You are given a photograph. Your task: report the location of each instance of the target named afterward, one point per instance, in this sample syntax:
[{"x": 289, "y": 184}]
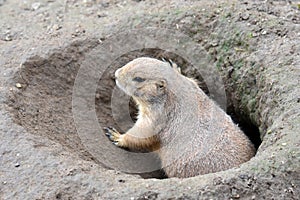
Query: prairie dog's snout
[
  {"x": 118, "y": 81},
  {"x": 117, "y": 73}
]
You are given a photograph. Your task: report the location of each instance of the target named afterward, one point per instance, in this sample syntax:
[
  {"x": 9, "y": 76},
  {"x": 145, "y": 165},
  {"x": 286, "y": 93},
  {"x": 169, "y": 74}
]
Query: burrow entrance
[{"x": 42, "y": 99}]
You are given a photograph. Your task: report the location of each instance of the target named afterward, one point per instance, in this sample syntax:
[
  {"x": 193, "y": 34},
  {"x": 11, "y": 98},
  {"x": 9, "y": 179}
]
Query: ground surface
[{"x": 44, "y": 44}]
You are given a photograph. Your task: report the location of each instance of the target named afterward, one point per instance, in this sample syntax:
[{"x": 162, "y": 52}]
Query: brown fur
[{"x": 192, "y": 134}]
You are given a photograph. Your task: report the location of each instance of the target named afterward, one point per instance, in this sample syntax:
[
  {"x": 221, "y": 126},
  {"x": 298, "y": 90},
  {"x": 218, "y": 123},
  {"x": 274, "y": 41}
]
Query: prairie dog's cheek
[{"x": 148, "y": 89}]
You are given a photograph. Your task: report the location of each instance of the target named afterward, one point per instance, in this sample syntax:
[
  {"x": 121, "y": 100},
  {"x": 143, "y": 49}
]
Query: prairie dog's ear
[
  {"x": 173, "y": 65},
  {"x": 161, "y": 84}
]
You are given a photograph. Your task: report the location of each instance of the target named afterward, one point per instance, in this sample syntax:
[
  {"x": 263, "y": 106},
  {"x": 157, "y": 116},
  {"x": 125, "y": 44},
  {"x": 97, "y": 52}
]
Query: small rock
[
  {"x": 8, "y": 38},
  {"x": 214, "y": 43},
  {"x": 18, "y": 85},
  {"x": 217, "y": 181},
  {"x": 255, "y": 34},
  {"x": 17, "y": 164},
  {"x": 56, "y": 27},
  {"x": 99, "y": 15},
  {"x": 244, "y": 176},
  {"x": 121, "y": 181},
  {"x": 283, "y": 144},
  {"x": 244, "y": 16},
  {"x": 264, "y": 32},
  {"x": 35, "y": 5},
  {"x": 71, "y": 172},
  {"x": 98, "y": 97}
]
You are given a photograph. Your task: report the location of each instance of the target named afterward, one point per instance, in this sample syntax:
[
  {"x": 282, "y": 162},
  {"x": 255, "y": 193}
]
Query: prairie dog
[{"x": 190, "y": 133}]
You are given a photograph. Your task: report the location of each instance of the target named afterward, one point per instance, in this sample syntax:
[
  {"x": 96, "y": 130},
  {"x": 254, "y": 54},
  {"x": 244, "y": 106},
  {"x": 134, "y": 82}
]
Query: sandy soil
[{"x": 51, "y": 49}]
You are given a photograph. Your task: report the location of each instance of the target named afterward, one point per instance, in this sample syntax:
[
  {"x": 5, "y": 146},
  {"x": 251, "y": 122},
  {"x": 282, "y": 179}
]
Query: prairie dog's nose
[{"x": 117, "y": 72}]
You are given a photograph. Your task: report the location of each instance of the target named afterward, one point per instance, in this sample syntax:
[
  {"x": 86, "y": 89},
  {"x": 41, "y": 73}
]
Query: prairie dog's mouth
[
  {"x": 119, "y": 85},
  {"x": 122, "y": 87}
]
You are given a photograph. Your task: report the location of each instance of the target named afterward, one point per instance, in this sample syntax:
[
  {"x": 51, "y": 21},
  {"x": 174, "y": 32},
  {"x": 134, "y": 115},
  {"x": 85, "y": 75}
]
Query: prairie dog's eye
[{"x": 138, "y": 79}]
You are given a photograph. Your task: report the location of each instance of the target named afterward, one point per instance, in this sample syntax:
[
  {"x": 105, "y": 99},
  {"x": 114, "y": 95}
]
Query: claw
[
  {"x": 107, "y": 131},
  {"x": 113, "y": 129},
  {"x": 112, "y": 134},
  {"x": 116, "y": 143}
]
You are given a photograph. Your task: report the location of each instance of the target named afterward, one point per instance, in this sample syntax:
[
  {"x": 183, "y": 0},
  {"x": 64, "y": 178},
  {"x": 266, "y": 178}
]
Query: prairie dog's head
[{"x": 145, "y": 79}]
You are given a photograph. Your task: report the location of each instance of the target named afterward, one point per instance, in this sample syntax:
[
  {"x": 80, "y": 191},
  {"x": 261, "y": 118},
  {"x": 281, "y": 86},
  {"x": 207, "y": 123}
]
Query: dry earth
[{"x": 254, "y": 45}]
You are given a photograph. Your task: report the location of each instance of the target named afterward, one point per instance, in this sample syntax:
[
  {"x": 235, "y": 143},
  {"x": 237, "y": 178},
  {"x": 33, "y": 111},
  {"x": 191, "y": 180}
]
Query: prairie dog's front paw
[{"x": 113, "y": 136}]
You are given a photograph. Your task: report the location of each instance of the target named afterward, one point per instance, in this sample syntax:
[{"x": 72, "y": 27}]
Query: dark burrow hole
[{"x": 43, "y": 103}]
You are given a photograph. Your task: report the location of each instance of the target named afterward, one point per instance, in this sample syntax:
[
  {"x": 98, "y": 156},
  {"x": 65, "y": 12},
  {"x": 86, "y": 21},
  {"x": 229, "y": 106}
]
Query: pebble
[
  {"x": 17, "y": 164},
  {"x": 245, "y": 16},
  {"x": 56, "y": 27},
  {"x": 215, "y": 43},
  {"x": 264, "y": 32},
  {"x": 71, "y": 172},
  {"x": 99, "y": 15},
  {"x": 35, "y": 5},
  {"x": 18, "y": 85},
  {"x": 255, "y": 34},
  {"x": 8, "y": 38}
]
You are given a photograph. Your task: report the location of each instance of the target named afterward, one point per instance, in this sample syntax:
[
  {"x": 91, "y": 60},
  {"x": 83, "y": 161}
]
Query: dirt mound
[{"x": 253, "y": 45}]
